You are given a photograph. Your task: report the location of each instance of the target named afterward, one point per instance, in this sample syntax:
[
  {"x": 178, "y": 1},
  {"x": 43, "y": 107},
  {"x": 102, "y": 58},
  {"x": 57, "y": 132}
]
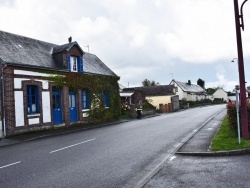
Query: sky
[{"x": 157, "y": 40}]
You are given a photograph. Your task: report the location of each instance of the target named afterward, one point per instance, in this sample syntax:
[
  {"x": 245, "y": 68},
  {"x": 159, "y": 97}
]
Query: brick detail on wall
[{"x": 9, "y": 100}]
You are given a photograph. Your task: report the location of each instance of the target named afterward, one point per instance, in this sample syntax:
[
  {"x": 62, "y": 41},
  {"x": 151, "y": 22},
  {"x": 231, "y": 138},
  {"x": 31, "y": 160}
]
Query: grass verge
[{"x": 226, "y": 139}]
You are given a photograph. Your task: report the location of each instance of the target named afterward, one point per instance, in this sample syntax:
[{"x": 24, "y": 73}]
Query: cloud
[
  {"x": 133, "y": 37},
  {"x": 222, "y": 82}
]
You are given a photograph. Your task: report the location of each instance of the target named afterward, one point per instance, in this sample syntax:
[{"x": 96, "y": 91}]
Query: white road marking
[
  {"x": 72, "y": 145},
  {"x": 172, "y": 158},
  {"x": 10, "y": 164}
]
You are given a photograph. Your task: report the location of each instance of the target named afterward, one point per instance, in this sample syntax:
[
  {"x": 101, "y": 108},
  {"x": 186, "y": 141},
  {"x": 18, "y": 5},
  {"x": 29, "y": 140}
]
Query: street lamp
[
  {"x": 237, "y": 62},
  {"x": 239, "y": 25}
]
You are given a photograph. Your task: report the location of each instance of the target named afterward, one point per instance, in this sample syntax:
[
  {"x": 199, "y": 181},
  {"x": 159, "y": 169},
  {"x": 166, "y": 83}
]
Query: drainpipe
[{"x": 3, "y": 65}]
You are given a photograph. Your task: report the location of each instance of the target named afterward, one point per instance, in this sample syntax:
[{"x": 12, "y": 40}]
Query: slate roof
[
  {"x": 23, "y": 51},
  {"x": 65, "y": 47},
  {"x": 190, "y": 88},
  {"x": 159, "y": 90},
  {"x": 92, "y": 64}
]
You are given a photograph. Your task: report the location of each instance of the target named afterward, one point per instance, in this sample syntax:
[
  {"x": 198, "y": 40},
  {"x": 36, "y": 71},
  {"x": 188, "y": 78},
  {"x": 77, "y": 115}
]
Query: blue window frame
[
  {"x": 85, "y": 99},
  {"x": 33, "y": 99},
  {"x": 105, "y": 99},
  {"x": 75, "y": 64}
]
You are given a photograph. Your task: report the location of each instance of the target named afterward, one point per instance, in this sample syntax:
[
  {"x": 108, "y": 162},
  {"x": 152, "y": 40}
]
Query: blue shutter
[
  {"x": 107, "y": 100},
  {"x": 80, "y": 64},
  {"x": 105, "y": 97},
  {"x": 87, "y": 100},
  {"x": 68, "y": 62},
  {"x": 37, "y": 100}
]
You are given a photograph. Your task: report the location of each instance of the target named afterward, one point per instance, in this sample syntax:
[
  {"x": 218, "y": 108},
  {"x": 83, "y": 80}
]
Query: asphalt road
[{"x": 104, "y": 157}]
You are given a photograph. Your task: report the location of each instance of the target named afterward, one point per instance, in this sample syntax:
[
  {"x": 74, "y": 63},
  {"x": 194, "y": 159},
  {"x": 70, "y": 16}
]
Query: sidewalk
[{"x": 199, "y": 143}]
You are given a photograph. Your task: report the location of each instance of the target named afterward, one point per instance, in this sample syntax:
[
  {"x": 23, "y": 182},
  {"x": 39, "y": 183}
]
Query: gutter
[{"x": 3, "y": 65}]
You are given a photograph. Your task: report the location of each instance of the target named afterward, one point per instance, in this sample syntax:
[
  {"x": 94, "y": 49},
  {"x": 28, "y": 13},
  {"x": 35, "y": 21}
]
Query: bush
[
  {"x": 183, "y": 103},
  {"x": 232, "y": 116}
]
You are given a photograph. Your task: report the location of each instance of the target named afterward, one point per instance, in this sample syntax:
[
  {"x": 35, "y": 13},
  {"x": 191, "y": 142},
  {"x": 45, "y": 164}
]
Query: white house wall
[
  {"x": 19, "y": 108},
  {"x": 180, "y": 93},
  {"x": 30, "y": 73},
  {"x": 33, "y": 121},
  {"x": 46, "y": 107},
  {"x": 220, "y": 93},
  {"x": 18, "y": 83}
]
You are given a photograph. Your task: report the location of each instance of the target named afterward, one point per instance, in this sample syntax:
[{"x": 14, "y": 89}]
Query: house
[
  {"x": 220, "y": 94},
  {"x": 156, "y": 95},
  {"x": 46, "y": 85},
  {"x": 232, "y": 95},
  {"x": 189, "y": 91}
]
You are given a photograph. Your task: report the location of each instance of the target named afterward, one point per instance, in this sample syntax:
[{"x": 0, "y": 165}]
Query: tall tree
[
  {"x": 201, "y": 83},
  {"x": 147, "y": 82}
]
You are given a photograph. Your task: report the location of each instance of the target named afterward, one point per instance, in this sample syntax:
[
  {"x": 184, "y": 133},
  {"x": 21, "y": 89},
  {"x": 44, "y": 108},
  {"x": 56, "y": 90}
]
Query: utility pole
[{"x": 238, "y": 25}]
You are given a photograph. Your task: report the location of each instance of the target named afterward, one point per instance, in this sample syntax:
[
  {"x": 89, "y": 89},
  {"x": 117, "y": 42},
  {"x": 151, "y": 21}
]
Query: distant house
[
  {"x": 160, "y": 94},
  {"x": 189, "y": 91},
  {"x": 232, "y": 96},
  {"x": 220, "y": 94},
  {"x": 31, "y": 97}
]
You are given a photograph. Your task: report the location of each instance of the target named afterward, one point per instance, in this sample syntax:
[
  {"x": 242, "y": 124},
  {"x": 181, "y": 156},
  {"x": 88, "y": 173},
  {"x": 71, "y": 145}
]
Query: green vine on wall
[{"x": 95, "y": 84}]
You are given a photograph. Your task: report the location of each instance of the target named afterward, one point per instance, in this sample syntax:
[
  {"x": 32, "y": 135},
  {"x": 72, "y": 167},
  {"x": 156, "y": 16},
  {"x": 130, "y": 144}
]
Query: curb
[{"x": 216, "y": 153}]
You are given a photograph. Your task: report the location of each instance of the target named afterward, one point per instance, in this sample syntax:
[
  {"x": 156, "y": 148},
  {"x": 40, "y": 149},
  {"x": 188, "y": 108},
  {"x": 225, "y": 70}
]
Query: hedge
[{"x": 232, "y": 116}]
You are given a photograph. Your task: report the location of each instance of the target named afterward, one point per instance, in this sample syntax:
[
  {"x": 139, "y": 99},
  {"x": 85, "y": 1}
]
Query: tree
[
  {"x": 147, "y": 82},
  {"x": 210, "y": 90},
  {"x": 201, "y": 83}
]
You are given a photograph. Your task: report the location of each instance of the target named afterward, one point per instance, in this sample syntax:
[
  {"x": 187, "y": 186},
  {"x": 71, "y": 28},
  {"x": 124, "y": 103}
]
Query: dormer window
[{"x": 75, "y": 64}]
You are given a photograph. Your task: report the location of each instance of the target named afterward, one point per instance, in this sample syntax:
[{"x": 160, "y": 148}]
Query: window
[
  {"x": 85, "y": 100},
  {"x": 33, "y": 99},
  {"x": 75, "y": 64},
  {"x": 105, "y": 99}
]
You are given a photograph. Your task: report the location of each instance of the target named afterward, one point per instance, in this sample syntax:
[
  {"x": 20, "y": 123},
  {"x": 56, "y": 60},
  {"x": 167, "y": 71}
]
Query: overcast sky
[{"x": 139, "y": 39}]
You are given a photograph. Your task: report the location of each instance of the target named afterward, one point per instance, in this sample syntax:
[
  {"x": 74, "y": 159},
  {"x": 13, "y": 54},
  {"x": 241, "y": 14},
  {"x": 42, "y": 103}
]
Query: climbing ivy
[{"x": 96, "y": 85}]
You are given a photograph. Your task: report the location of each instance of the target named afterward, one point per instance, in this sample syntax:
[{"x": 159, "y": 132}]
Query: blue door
[
  {"x": 57, "y": 107},
  {"x": 72, "y": 107}
]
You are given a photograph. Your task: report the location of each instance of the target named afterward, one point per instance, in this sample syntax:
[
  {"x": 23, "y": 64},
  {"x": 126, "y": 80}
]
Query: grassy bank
[{"x": 226, "y": 139}]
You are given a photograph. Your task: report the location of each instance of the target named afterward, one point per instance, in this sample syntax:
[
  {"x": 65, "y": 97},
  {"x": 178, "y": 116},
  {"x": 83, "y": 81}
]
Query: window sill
[
  {"x": 34, "y": 115},
  {"x": 85, "y": 110}
]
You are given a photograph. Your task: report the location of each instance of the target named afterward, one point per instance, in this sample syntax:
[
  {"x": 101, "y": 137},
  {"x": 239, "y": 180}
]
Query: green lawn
[{"x": 226, "y": 139}]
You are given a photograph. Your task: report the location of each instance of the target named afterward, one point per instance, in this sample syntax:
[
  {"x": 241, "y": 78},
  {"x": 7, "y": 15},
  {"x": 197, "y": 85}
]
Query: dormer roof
[{"x": 66, "y": 47}]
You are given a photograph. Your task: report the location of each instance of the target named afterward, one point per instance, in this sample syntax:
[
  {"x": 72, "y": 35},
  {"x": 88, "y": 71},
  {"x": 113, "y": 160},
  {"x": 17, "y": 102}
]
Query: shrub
[{"x": 232, "y": 116}]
